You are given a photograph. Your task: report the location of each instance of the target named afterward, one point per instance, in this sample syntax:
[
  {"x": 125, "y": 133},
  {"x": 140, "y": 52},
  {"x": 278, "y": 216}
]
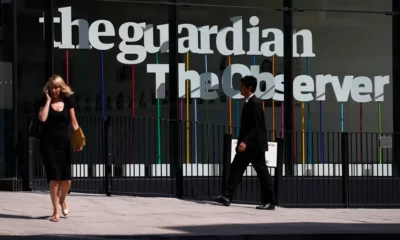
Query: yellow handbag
[{"x": 78, "y": 139}]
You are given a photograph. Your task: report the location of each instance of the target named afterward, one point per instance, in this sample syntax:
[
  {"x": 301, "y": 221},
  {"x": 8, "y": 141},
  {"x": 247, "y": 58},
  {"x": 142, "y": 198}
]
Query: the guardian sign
[{"x": 198, "y": 41}]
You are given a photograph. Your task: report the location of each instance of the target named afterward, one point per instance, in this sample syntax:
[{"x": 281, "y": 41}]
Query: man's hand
[{"x": 242, "y": 147}]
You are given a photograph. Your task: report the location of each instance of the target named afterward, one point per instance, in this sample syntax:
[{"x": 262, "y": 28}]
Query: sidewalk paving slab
[{"x": 119, "y": 217}]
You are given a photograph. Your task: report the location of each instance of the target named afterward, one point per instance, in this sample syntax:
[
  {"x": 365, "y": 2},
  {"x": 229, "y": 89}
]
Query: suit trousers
[{"x": 257, "y": 158}]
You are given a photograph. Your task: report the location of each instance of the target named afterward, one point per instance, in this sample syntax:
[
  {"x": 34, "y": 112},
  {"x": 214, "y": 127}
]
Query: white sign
[
  {"x": 198, "y": 41},
  {"x": 271, "y": 156}
]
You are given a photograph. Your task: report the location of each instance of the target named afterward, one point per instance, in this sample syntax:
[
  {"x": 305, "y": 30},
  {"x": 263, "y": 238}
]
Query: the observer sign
[{"x": 305, "y": 88}]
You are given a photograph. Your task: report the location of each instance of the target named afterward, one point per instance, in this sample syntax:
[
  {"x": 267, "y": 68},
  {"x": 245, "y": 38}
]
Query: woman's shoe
[
  {"x": 55, "y": 218},
  {"x": 64, "y": 209}
]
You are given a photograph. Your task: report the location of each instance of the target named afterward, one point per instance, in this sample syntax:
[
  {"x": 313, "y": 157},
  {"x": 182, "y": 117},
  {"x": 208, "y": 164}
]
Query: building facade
[{"x": 117, "y": 57}]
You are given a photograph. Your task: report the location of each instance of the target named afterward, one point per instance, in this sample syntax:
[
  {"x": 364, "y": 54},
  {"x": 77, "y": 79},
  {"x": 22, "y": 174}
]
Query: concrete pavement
[{"x": 98, "y": 216}]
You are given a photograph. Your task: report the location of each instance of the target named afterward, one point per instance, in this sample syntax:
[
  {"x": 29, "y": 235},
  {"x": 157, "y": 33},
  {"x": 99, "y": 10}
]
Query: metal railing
[{"x": 132, "y": 156}]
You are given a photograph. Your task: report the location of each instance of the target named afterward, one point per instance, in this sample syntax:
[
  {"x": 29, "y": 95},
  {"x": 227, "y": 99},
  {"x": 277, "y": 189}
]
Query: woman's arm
[
  {"x": 44, "y": 111},
  {"x": 72, "y": 116}
]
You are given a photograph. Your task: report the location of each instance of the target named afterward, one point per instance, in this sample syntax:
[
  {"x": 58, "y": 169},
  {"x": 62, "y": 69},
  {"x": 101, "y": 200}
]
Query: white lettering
[
  {"x": 379, "y": 83},
  {"x": 66, "y": 27},
  {"x": 198, "y": 40},
  {"x": 307, "y": 46},
  {"x": 149, "y": 38},
  {"x": 95, "y": 33},
  {"x": 237, "y": 31},
  {"x": 277, "y": 42},
  {"x": 361, "y": 89},
  {"x": 266, "y": 77},
  {"x": 227, "y": 77},
  {"x": 321, "y": 86},
  {"x": 160, "y": 70},
  {"x": 191, "y": 39},
  {"x": 208, "y": 84},
  {"x": 194, "y": 79},
  {"x": 125, "y": 49},
  {"x": 303, "y": 86},
  {"x": 205, "y": 34}
]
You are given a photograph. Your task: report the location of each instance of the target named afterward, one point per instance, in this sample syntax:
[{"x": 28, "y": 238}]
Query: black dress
[{"x": 55, "y": 143}]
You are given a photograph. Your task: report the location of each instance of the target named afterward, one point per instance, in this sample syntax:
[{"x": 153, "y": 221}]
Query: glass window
[
  {"x": 239, "y": 37},
  {"x": 351, "y": 47},
  {"x": 118, "y": 60},
  {"x": 347, "y": 5},
  {"x": 6, "y": 107},
  {"x": 355, "y": 49},
  {"x": 226, "y": 4}
]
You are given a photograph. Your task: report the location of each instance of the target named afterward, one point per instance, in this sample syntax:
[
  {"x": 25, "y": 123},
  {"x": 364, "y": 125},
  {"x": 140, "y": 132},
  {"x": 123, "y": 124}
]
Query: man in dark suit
[{"x": 252, "y": 144}]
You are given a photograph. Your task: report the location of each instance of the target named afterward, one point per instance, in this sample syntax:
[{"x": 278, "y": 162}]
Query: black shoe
[
  {"x": 222, "y": 199},
  {"x": 266, "y": 207}
]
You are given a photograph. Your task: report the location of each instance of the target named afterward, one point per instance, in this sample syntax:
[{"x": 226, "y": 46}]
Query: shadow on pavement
[
  {"x": 272, "y": 231},
  {"x": 10, "y": 216}
]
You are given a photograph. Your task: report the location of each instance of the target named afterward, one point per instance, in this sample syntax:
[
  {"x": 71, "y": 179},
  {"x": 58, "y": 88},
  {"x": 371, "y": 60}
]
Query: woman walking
[{"x": 56, "y": 113}]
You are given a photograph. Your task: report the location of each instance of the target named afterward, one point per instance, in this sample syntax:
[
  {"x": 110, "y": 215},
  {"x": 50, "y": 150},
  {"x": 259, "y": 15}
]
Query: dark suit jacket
[{"x": 253, "y": 131}]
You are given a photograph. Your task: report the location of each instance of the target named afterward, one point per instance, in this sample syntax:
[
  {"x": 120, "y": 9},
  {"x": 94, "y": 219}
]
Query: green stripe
[
  {"x": 380, "y": 131},
  {"x": 158, "y": 125}
]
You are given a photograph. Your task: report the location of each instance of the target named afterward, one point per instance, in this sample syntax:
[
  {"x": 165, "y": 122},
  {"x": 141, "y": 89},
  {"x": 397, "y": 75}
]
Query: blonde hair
[{"x": 59, "y": 82}]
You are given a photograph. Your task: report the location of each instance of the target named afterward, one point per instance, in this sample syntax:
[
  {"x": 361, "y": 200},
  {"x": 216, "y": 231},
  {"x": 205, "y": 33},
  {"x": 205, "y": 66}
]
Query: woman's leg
[
  {"x": 64, "y": 185},
  {"x": 54, "y": 199}
]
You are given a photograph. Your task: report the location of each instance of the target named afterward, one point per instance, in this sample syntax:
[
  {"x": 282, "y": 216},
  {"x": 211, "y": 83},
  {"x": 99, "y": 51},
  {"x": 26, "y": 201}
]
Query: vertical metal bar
[
  {"x": 14, "y": 86},
  {"x": 288, "y": 85},
  {"x": 345, "y": 169},
  {"x": 49, "y": 38},
  {"x": 396, "y": 85},
  {"x": 173, "y": 95},
  {"x": 278, "y": 170}
]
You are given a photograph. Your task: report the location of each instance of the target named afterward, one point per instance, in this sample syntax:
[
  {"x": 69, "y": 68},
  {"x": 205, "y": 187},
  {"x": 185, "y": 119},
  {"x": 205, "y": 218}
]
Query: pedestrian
[
  {"x": 56, "y": 114},
  {"x": 252, "y": 144}
]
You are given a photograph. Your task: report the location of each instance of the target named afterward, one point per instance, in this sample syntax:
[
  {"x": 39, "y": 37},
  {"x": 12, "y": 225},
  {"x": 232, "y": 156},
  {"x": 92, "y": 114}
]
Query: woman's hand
[
  {"x": 78, "y": 150},
  {"x": 48, "y": 98}
]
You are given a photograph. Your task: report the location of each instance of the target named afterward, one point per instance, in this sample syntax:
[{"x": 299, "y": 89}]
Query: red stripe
[
  {"x": 133, "y": 112},
  {"x": 133, "y": 90},
  {"x": 67, "y": 66}
]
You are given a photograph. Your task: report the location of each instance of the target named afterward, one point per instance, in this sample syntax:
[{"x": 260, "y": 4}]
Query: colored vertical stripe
[
  {"x": 321, "y": 137},
  {"x": 195, "y": 130},
  {"x": 158, "y": 124},
  {"x": 341, "y": 117},
  {"x": 207, "y": 113},
  {"x": 67, "y": 66},
  {"x": 380, "y": 130},
  {"x": 187, "y": 113},
  {"x": 302, "y": 134},
  {"x": 361, "y": 130},
  {"x": 103, "y": 113},
  {"x": 273, "y": 102},
  {"x": 85, "y": 102},
  {"x": 309, "y": 119},
  {"x": 180, "y": 109},
  {"x": 180, "y": 100},
  {"x": 303, "y": 142},
  {"x": 230, "y": 104},
  {"x": 294, "y": 134},
  {"x": 282, "y": 122},
  {"x": 133, "y": 111},
  {"x": 133, "y": 89}
]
